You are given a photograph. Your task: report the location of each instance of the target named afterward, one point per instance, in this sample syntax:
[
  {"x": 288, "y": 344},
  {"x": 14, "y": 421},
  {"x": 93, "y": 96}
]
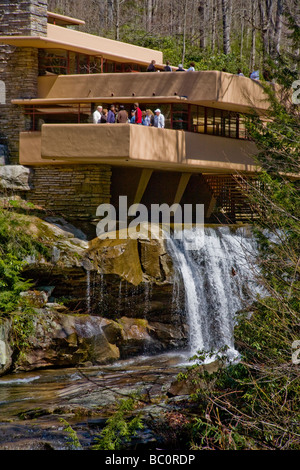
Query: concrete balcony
[{"x": 137, "y": 146}]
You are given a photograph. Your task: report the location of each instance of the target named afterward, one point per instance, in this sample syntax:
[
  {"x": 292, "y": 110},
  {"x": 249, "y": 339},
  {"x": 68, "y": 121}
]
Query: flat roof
[
  {"x": 62, "y": 20},
  {"x": 89, "y": 44}
]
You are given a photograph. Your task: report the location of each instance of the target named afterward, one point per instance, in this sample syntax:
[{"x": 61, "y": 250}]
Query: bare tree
[{"x": 227, "y": 15}]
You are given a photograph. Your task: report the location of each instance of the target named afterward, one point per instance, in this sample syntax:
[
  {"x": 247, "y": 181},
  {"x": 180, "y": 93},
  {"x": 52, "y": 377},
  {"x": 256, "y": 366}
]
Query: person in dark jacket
[
  {"x": 151, "y": 67},
  {"x": 111, "y": 115},
  {"x": 122, "y": 115},
  {"x": 167, "y": 67}
]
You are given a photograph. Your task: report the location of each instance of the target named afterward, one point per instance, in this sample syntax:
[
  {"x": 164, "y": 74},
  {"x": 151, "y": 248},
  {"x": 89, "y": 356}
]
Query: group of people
[
  {"x": 254, "y": 75},
  {"x": 120, "y": 115},
  {"x": 168, "y": 68}
]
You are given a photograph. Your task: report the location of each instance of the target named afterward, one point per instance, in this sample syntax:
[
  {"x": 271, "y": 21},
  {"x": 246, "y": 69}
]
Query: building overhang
[
  {"x": 208, "y": 88},
  {"x": 62, "y": 20},
  {"x": 137, "y": 146},
  {"x": 99, "y": 99},
  {"x": 89, "y": 44}
]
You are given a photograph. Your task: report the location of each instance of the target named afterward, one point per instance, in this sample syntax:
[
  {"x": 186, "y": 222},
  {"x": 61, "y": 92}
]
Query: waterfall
[{"x": 218, "y": 278}]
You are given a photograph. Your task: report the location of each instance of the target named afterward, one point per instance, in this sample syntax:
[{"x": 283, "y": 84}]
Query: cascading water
[{"x": 218, "y": 279}]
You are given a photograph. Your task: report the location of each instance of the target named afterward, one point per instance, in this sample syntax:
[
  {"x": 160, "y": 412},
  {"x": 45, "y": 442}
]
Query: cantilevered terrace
[
  {"x": 205, "y": 128},
  {"x": 205, "y": 111}
]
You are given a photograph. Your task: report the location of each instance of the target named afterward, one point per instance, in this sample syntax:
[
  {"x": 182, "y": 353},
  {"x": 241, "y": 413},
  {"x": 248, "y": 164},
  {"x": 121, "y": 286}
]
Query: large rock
[
  {"x": 15, "y": 178},
  {"x": 136, "y": 337},
  {"x": 6, "y": 351},
  {"x": 194, "y": 380},
  {"x": 134, "y": 257},
  {"x": 120, "y": 257},
  {"x": 66, "y": 341}
]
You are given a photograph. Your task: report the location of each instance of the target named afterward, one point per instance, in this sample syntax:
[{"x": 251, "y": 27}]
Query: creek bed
[{"x": 32, "y": 404}]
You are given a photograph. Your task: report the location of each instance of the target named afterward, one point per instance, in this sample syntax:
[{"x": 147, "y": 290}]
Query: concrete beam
[
  {"x": 143, "y": 183},
  {"x": 210, "y": 206},
  {"x": 183, "y": 182}
]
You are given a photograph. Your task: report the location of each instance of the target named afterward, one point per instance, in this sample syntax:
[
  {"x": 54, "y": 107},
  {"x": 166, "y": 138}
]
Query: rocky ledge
[{"x": 92, "y": 302}]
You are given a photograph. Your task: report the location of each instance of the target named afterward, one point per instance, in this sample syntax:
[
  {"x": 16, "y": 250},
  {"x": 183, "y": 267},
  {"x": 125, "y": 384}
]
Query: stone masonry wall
[
  {"x": 19, "y": 72},
  {"x": 18, "y": 66},
  {"x": 73, "y": 191},
  {"x": 23, "y": 17}
]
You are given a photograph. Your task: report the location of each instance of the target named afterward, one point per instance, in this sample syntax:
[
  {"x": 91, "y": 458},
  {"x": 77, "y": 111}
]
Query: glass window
[
  {"x": 53, "y": 61},
  {"x": 180, "y": 116}
]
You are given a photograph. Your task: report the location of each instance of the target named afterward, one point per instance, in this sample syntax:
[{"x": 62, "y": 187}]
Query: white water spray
[{"x": 219, "y": 280}]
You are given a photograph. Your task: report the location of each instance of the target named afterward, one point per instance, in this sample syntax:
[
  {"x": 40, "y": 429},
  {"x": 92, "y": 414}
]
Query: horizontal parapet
[
  {"x": 208, "y": 88},
  {"x": 133, "y": 145}
]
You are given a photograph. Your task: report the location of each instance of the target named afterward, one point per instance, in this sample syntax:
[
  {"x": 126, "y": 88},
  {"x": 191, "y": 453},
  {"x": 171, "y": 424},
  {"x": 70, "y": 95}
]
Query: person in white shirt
[
  {"x": 97, "y": 115},
  {"x": 159, "y": 119},
  {"x": 192, "y": 67}
]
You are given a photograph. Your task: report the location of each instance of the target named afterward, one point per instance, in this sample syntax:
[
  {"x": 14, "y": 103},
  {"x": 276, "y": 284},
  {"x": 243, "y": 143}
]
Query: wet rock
[
  {"x": 194, "y": 380},
  {"x": 119, "y": 257},
  {"x": 113, "y": 331},
  {"x": 135, "y": 337},
  {"x": 65, "y": 341},
  {"x": 169, "y": 335}
]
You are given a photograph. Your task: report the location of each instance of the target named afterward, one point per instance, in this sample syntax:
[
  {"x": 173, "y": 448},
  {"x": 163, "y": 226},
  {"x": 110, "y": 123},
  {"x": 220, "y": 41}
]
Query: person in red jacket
[{"x": 138, "y": 114}]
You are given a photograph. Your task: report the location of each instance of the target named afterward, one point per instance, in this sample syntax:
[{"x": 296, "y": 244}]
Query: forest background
[{"x": 215, "y": 34}]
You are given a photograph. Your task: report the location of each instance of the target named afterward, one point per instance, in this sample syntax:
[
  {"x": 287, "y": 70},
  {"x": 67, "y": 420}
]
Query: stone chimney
[
  {"x": 23, "y": 17},
  {"x": 18, "y": 66}
]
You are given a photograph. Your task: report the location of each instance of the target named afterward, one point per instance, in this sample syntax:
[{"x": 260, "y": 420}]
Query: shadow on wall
[{"x": 3, "y": 154}]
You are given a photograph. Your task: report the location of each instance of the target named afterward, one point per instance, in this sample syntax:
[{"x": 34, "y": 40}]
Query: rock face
[
  {"x": 5, "y": 348},
  {"x": 96, "y": 301},
  {"x": 66, "y": 340},
  {"x": 15, "y": 178}
]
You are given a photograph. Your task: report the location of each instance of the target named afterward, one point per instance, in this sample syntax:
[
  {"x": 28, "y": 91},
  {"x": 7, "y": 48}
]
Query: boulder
[
  {"x": 169, "y": 335},
  {"x": 36, "y": 298},
  {"x": 120, "y": 257},
  {"x": 194, "y": 381},
  {"x": 15, "y": 178},
  {"x": 136, "y": 338},
  {"x": 66, "y": 341},
  {"x": 6, "y": 351}
]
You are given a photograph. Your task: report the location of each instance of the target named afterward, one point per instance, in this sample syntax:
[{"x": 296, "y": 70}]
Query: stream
[
  {"x": 219, "y": 280},
  {"x": 33, "y": 403}
]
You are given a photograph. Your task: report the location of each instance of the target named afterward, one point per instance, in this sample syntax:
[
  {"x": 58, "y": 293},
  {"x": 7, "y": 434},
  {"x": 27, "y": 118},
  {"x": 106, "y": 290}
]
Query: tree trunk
[
  {"x": 278, "y": 28},
  {"x": 110, "y": 12},
  {"x": 253, "y": 35},
  {"x": 117, "y": 20},
  {"x": 227, "y": 14},
  {"x": 184, "y": 31},
  {"x": 265, "y": 10},
  {"x": 149, "y": 12},
  {"x": 201, "y": 10},
  {"x": 213, "y": 27}
]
